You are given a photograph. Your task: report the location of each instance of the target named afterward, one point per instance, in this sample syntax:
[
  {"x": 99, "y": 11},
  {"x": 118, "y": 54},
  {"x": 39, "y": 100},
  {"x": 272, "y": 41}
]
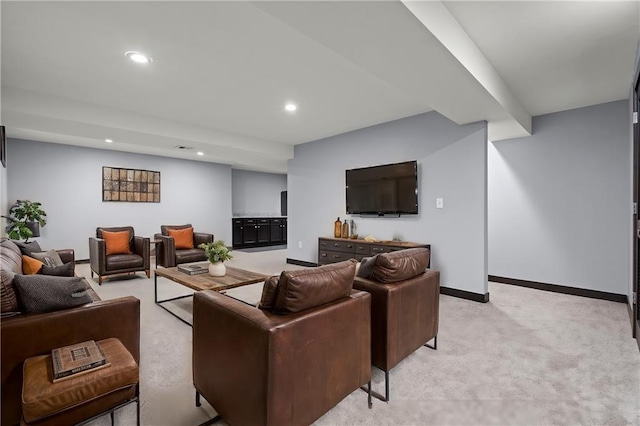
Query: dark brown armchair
[
  {"x": 104, "y": 265},
  {"x": 405, "y": 300},
  {"x": 290, "y": 361},
  {"x": 168, "y": 256}
]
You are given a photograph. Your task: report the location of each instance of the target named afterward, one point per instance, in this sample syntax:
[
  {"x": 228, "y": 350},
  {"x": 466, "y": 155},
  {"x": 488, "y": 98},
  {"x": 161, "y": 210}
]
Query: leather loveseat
[
  {"x": 27, "y": 335},
  {"x": 291, "y": 361},
  {"x": 405, "y": 301}
]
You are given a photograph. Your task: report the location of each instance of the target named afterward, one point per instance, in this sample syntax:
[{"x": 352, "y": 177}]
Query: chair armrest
[
  {"x": 411, "y": 306},
  {"x": 67, "y": 255},
  {"x": 142, "y": 246},
  {"x": 165, "y": 251},
  {"x": 97, "y": 255},
  {"x": 29, "y": 335},
  {"x": 243, "y": 353},
  {"x": 201, "y": 237}
]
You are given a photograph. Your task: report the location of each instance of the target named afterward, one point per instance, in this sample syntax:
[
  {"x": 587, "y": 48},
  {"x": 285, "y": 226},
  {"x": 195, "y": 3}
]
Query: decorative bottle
[
  {"x": 337, "y": 228},
  {"x": 345, "y": 229},
  {"x": 354, "y": 230}
]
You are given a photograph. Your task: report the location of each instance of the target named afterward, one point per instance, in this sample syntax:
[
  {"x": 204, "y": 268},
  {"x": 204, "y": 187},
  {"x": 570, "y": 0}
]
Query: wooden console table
[{"x": 332, "y": 250}]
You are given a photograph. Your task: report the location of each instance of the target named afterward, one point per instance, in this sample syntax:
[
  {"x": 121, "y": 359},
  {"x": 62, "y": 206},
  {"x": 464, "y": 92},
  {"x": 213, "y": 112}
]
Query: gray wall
[
  {"x": 67, "y": 180},
  {"x": 559, "y": 205},
  {"x": 452, "y": 164},
  {"x": 256, "y": 193}
]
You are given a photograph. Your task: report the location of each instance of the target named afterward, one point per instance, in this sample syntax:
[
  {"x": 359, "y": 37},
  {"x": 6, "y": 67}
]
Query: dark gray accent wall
[
  {"x": 559, "y": 200},
  {"x": 256, "y": 193},
  {"x": 67, "y": 180},
  {"x": 451, "y": 164}
]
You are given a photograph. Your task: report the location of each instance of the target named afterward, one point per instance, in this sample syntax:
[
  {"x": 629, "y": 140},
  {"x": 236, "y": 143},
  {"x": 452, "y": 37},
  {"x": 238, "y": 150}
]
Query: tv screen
[{"x": 386, "y": 189}]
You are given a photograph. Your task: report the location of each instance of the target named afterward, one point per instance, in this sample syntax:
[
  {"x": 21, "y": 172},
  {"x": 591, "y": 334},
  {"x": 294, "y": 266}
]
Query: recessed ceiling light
[
  {"x": 108, "y": 140},
  {"x": 138, "y": 57},
  {"x": 200, "y": 153},
  {"x": 290, "y": 107}
]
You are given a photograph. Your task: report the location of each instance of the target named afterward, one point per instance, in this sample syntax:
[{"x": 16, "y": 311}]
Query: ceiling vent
[{"x": 184, "y": 148}]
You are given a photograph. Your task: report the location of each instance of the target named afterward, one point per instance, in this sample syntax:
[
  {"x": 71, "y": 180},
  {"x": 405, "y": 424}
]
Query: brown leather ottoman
[{"x": 82, "y": 398}]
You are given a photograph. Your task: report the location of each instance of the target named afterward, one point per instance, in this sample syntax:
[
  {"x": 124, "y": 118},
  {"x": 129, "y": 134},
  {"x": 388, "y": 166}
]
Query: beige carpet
[{"x": 526, "y": 358}]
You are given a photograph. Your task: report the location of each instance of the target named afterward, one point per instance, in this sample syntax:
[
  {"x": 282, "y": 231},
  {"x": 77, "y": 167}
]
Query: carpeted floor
[{"x": 528, "y": 357}]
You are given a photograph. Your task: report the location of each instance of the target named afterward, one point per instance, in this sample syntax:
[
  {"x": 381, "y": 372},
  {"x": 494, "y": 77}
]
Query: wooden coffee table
[{"x": 235, "y": 277}]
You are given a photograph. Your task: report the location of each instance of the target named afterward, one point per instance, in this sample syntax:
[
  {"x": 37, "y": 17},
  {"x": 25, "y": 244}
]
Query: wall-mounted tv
[{"x": 385, "y": 189}]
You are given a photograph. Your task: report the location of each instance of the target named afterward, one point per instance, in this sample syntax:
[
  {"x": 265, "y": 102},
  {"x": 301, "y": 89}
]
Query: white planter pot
[{"x": 217, "y": 269}]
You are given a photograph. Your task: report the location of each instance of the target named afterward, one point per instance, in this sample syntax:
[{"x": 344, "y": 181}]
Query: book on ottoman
[{"x": 70, "y": 361}]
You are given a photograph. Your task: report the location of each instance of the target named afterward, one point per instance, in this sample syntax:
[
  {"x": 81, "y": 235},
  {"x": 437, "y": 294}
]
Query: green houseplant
[
  {"x": 217, "y": 253},
  {"x": 25, "y": 219}
]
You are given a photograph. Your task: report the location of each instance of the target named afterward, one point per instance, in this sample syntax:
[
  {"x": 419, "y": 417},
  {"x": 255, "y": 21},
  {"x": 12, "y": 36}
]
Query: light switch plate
[{"x": 439, "y": 203}]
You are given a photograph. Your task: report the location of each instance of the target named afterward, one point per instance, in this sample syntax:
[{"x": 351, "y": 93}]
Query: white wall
[
  {"x": 256, "y": 193},
  {"x": 559, "y": 205},
  {"x": 451, "y": 164},
  {"x": 67, "y": 180}
]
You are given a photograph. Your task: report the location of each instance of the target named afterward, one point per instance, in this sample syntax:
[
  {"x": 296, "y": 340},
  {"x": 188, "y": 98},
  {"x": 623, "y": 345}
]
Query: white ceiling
[{"x": 223, "y": 71}]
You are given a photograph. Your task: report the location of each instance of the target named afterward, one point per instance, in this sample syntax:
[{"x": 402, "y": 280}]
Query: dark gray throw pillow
[
  {"x": 42, "y": 293},
  {"x": 66, "y": 270},
  {"x": 28, "y": 248},
  {"x": 366, "y": 267},
  {"x": 49, "y": 257}
]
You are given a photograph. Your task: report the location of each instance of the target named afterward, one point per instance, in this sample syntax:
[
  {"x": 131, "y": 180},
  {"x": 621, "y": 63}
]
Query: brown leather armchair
[
  {"x": 103, "y": 265},
  {"x": 289, "y": 362},
  {"x": 168, "y": 256},
  {"x": 405, "y": 300}
]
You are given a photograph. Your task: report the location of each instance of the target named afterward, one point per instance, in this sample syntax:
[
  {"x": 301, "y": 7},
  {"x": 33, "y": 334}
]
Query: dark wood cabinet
[
  {"x": 262, "y": 231},
  {"x": 332, "y": 250},
  {"x": 259, "y": 231}
]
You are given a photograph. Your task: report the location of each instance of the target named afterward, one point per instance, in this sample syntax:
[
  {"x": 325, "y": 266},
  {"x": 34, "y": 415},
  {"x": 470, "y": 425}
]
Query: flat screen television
[{"x": 385, "y": 189}]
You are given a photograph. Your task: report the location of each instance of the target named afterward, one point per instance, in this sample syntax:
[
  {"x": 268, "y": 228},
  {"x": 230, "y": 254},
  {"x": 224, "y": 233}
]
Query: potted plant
[
  {"x": 216, "y": 253},
  {"x": 25, "y": 219}
]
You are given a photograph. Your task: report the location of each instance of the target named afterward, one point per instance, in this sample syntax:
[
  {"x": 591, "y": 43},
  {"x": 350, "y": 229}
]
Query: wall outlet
[
  {"x": 299, "y": 244},
  {"x": 439, "y": 203}
]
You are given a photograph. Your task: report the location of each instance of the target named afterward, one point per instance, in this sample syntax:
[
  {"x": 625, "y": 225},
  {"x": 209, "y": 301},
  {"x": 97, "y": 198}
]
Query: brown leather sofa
[
  {"x": 26, "y": 335},
  {"x": 292, "y": 360},
  {"x": 168, "y": 256},
  {"x": 405, "y": 300},
  {"x": 114, "y": 264}
]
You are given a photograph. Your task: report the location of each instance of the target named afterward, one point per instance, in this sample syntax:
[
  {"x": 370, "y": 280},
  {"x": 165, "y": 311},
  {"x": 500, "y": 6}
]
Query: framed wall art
[{"x": 130, "y": 185}]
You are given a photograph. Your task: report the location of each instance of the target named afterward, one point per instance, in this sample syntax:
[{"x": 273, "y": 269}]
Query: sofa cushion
[
  {"x": 308, "y": 288},
  {"x": 269, "y": 293},
  {"x": 123, "y": 261},
  {"x": 28, "y": 248},
  {"x": 116, "y": 242},
  {"x": 400, "y": 265},
  {"x": 41, "y": 293},
  {"x": 182, "y": 238},
  {"x": 190, "y": 255},
  {"x": 30, "y": 265},
  {"x": 66, "y": 270},
  {"x": 10, "y": 265},
  {"x": 49, "y": 257},
  {"x": 366, "y": 266}
]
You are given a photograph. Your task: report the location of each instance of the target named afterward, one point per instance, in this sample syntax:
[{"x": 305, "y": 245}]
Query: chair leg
[
  {"x": 100, "y": 278},
  {"x": 370, "y": 404},
  {"x": 92, "y": 274},
  {"x": 138, "y": 404},
  {"x": 435, "y": 344},
  {"x": 386, "y": 386},
  {"x": 198, "y": 404},
  {"x": 148, "y": 271},
  {"x": 112, "y": 419}
]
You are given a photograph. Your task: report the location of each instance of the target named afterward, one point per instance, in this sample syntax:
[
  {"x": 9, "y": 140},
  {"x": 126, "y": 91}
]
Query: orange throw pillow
[
  {"x": 182, "y": 237},
  {"x": 30, "y": 266},
  {"x": 116, "y": 242}
]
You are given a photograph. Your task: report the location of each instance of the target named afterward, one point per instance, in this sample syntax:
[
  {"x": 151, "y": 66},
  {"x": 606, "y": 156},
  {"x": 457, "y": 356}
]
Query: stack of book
[
  {"x": 193, "y": 269},
  {"x": 73, "y": 360}
]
